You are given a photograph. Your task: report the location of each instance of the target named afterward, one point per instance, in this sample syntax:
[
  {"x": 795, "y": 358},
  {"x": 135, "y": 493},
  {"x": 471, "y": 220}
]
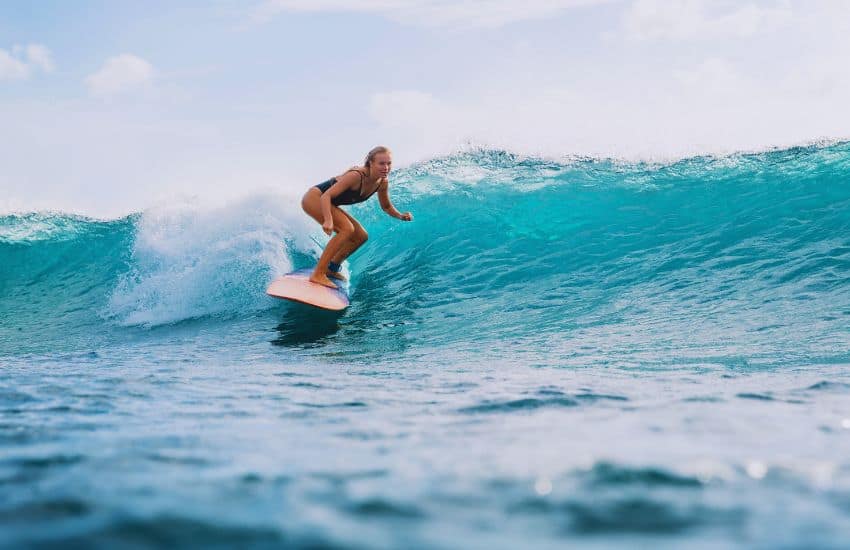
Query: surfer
[{"x": 322, "y": 202}]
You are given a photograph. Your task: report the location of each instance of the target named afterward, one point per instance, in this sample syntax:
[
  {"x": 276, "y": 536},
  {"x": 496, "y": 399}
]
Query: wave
[
  {"x": 502, "y": 246},
  {"x": 189, "y": 262},
  {"x": 54, "y": 269}
]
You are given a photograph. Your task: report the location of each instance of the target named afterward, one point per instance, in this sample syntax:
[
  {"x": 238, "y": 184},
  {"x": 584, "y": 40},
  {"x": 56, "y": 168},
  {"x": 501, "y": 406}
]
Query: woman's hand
[
  {"x": 328, "y": 227},
  {"x": 406, "y": 217}
]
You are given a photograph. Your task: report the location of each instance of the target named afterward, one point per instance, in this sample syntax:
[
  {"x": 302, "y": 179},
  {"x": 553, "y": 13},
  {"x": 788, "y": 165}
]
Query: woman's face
[{"x": 381, "y": 164}]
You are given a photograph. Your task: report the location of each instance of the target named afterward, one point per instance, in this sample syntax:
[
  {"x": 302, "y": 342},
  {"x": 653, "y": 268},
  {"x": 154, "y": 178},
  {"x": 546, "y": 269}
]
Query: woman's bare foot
[
  {"x": 322, "y": 280},
  {"x": 337, "y": 275}
]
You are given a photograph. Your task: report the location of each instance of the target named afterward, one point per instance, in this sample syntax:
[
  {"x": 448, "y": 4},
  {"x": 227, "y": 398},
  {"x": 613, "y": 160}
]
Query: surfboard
[{"x": 296, "y": 286}]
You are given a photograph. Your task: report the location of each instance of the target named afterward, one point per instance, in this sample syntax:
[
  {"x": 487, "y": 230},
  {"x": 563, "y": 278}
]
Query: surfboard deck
[{"x": 296, "y": 287}]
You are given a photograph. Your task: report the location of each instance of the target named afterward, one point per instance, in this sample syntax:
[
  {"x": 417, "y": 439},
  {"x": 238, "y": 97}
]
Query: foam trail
[{"x": 190, "y": 262}]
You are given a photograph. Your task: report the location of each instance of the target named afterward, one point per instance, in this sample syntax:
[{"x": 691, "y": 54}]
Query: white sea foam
[{"x": 191, "y": 261}]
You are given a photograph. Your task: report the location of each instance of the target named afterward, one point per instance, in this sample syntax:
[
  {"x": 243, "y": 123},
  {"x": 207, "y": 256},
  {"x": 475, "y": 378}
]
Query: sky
[{"x": 109, "y": 107}]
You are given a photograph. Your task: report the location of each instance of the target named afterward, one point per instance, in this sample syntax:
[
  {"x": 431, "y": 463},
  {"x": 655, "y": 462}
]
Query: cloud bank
[
  {"x": 120, "y": 74},
  {"x": 704, "y": 19},
  {"x": 432, "y": 13},
  {"x": 23, "y": 61}
]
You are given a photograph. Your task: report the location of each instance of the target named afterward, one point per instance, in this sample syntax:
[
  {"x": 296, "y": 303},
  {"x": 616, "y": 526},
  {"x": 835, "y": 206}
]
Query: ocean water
[{"x": 574, "y": 353}]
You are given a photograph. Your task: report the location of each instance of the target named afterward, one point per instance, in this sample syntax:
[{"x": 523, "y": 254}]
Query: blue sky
[{"x": 108, "y": 107}]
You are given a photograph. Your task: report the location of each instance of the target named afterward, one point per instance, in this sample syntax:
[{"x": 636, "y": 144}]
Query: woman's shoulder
[{"x": 355, "y": 172}]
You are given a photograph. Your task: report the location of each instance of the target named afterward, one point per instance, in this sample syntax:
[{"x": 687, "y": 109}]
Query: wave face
[
  {"x": 55, "y": 271},
  {"x": 747, "y": 254}
]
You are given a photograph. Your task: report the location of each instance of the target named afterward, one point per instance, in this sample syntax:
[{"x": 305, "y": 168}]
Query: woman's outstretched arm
[{"x": 387, "y": 205}]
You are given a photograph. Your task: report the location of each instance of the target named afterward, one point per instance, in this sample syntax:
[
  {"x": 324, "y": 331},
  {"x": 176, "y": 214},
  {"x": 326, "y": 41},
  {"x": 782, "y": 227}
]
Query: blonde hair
[{"x": 375, "y": 151}]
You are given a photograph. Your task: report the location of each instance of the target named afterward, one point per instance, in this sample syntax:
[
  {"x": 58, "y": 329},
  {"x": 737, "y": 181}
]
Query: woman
[{"x": 322, "y": 202}]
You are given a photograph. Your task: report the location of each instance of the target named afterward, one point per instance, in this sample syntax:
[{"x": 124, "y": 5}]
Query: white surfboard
[{"x": 296, "y": 286}]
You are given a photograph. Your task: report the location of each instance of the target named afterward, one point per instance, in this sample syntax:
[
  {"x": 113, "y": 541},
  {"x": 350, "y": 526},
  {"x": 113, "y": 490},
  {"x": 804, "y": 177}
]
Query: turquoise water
[{"x": 584, "y": 351}]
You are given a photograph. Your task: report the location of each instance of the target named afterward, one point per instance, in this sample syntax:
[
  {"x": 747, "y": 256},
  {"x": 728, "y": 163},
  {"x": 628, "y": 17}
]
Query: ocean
[{"x": 574, "y": 352}]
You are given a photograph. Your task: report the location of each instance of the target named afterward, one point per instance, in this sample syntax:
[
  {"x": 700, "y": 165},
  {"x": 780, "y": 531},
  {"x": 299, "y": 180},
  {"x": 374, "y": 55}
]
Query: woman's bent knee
[
  {"x": 346, "y": 233},
  {"x": 308, "y": 200}
]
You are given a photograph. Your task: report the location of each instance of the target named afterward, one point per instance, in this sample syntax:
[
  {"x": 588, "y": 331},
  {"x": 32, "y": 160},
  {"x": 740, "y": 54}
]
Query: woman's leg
[
  {"x": 311, "y": 203},
  {"x": 357, "y": 240}
]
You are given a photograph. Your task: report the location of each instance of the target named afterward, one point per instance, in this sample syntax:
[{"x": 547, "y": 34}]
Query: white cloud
[
  {"x": 39, "y": 56},
  {"x": 120, "y": 74},
  {"x": 703, "y": 19},
  {"x": 11, "y": 68},
  {"x": 432, "y": 13},
  {"x": 22, "y": 61}
]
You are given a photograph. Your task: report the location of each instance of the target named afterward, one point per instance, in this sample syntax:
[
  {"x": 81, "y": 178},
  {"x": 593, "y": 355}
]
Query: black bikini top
[{"x": 349, "y": 196}]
